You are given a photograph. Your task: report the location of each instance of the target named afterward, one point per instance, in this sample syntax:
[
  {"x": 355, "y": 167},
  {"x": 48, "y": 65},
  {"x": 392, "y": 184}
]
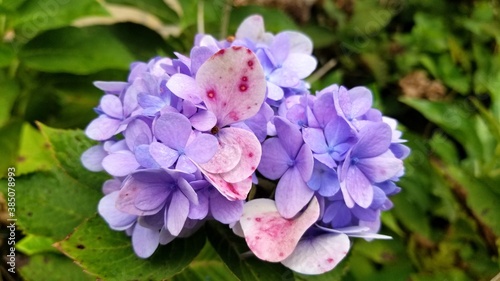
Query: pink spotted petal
[
  {"x": 251, "y": 153},
  {"x": 232, "y": 191},
  {"x": 233, "y": 85},
  {"x": 270, "y": 236},
  {"x": 227, "y": 157},
  {"x": 319, "y": 254}
]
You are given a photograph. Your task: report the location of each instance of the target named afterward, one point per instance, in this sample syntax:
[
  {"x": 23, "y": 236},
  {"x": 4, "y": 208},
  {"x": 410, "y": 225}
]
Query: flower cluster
[{"x": 185, "y": 139}]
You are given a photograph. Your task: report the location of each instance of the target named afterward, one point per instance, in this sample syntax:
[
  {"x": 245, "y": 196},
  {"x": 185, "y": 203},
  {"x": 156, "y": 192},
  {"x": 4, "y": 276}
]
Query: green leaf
[
  {"x": 36, "y": 16},
  {"x": 52, "y": 267},
  {"x": 6, "y": 55},
  {"x": 67, "y": 147},
  {"x": 91, "y": 49},
  {"x": 455, "y": 119},
  {"x": 481, "y": 199},
  {"x": 53, "y": 203},
  {"x": 232, "y": 249},
  {"x": 206, "y": 266},
  {"x": 9, "y": 145},
  {"x": 32, "y": 244},
  {"x": 10, "y": 92},
  {"x": 67, "y": 194},
  {"x": 108, "y": 254},
  {"x": 34, "y": 152}
]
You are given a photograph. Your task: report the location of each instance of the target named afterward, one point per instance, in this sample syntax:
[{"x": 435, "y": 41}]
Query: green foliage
[{"x": 444, "y": 222}]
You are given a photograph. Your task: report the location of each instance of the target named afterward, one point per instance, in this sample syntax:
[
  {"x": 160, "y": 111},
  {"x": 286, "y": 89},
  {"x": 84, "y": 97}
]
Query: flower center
[{"x": 214, "y": 130}]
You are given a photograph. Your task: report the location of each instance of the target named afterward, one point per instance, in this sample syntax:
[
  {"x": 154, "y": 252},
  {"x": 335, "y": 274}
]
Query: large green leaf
[
  {"x": 66, "y": 194},
  {"x": 10, "y": 92},
  {"x": 108, "y": 254},
  {"x": 35, "y": 16},
  {"x": 206, "y": 266},
  {"x": 34, "y": 152},
  {"x": 52, "y": 267},
  {"x": 32, "y": 244},
  {"x": 9, "y": 145},
  {"x": 6, "y": 55},
  {"x": 67, "y": 147},
  {"x": 91, "y": 49},
  {"x": 234, "y": 252},
  {"x": 456, "y": 119}
]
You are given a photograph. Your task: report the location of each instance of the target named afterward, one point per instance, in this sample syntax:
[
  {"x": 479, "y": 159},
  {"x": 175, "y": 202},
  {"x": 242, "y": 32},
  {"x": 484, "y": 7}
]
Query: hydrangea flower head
[{"x": 186, "y": 138}]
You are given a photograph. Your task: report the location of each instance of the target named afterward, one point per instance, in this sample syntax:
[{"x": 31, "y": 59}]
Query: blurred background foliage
[{"x": 433, "y": 65}]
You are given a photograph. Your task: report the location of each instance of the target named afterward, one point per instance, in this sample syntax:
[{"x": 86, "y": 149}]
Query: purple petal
[
  {"x": 145, "y": 241},
  {"x": 279, "y": 47},
  {"x": 305, "y": 162},
  {"x": 185, "y": 87},
  {"x": 324, "y": 180},
  {"x": 150, "y": 198},
  {"x": 111, "y": 185},
  {"x": 380, "y": 168},
  {"x": 144, "y": 158},
  {"x": 359, "y": 187},
  {"x": 326, "y": 159},
  {"x": 374, "y": 139},
  {"x": 315, "y": 139},
  {"x": 177, "y": 213},
  {"x": 203, "y": 120},
  {"x": 102, "y": 128},
  {"x": 301, "y": 64},
  {"x": 202, "y": 148},
  {"x": 111, "y": 87},
  {"x": 223, "y": 210},
  {"x": 165, "y": 237},
  {"x": 173, "y": 129},
  {"x": 116, "y": 219},
  {"x": 299, "y": 43},
  {"x": 163, "y": 155},
  {"x": 120, "y": 164},
  {"x": 200, "y": 211},
  {"x": 324, "y": 109},
  {"x": 187, "y": 190},
  {"x": 111, "y": 106},
  {"x": 137, "y": 133},
  {"x": 274, "y": 161},
  {"x": 284, "y": 78},
  {"x": 289, "y": 136},
  {"x": 185, "y": 165},
  {"x": 319, "y": 254},
  {"x": 361, "y": 102},
  {"x": 337, "y": 214},
  {"x": 199, "y": 55},
  {"x": 188, "y": 108},
  {"x": 274, "y": 92},
  {"x": 292, "y": 193},
  {"x": 92, "y": 158}
]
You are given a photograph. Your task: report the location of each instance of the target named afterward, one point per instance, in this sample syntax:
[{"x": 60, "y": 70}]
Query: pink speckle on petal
[
  {"x": 233, "y": 115},
  {"x": 250, "y": 154},
  {"x": 258, "y": 219},
  {"x": 329, "y": 260},
  {"x": 244, "y": 78},
  {"x": 220, "y": 52},
  {"x": 281, "y": 254},
  {"x": 243, "y": 88},
  {"x": 211, "y": 94},
  {"x": 236, "y": 48},
  {"x": 250, "y": 63}
]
